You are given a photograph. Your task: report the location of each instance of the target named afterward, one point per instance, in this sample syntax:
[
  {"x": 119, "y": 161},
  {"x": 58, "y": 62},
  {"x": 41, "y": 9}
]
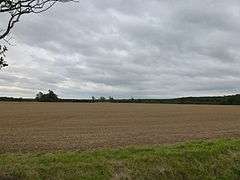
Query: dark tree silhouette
[
  {"x": 102, "y": 99},
  {"x": 3, "y": 50},
  {"x": 39, "y": 96},
  {"x": 111, "y": 99},
  {"x": 93, "y": 99},
  {"x": 17, "y": 8},
  {"x": 49, "y": 97}
]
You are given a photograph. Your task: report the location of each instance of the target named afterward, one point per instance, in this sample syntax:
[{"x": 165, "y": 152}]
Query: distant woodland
[{"x": 52, "y": 97}]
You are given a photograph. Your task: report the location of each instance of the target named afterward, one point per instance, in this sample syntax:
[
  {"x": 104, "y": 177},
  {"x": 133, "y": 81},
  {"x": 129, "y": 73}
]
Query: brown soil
[{"x": 79, "y": 126}]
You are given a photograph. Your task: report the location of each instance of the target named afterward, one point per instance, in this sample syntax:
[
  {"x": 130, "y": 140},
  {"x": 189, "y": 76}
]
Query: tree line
[{"x": 50, "y": 96}]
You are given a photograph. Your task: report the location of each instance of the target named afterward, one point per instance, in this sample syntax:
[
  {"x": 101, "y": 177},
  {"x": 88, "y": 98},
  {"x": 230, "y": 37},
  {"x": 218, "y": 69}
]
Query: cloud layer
[{"x": 139, "y": 48}]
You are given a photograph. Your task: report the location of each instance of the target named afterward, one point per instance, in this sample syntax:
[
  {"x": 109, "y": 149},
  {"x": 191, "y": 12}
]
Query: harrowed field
[{"x": 48, "y": 127}]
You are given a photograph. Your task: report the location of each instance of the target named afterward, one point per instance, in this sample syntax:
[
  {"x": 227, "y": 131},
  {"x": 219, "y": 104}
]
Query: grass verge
[{"x": 217, "y": 159}]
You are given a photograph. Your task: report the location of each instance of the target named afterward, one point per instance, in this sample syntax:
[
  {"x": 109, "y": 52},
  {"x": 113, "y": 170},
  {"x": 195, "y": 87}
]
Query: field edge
[{"x": 200, "y": 159}]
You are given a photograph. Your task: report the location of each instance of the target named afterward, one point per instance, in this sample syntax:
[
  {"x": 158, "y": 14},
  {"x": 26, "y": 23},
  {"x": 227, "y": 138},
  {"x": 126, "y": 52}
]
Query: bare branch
[{"x": 15, "y": 9}]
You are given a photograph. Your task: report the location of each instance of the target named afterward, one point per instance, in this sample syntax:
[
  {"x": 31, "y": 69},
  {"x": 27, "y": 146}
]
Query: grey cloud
[{"x": 137, "y": 48}]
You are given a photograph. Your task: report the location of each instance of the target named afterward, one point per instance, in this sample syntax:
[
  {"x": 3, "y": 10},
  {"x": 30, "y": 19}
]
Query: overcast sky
[{"x": 127, "y": 48}]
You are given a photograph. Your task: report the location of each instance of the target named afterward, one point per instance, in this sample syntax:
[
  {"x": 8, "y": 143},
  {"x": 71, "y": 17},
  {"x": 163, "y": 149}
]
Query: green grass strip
[{"x": 216, "y": 159}]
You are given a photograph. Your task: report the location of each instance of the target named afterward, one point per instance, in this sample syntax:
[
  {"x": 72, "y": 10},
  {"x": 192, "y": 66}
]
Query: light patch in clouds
[{"x": 138, "y": 48}]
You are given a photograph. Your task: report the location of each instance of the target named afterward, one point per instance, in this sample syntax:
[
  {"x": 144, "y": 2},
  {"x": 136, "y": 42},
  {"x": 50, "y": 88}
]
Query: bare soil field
[{"x": 80, "y": 126}]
